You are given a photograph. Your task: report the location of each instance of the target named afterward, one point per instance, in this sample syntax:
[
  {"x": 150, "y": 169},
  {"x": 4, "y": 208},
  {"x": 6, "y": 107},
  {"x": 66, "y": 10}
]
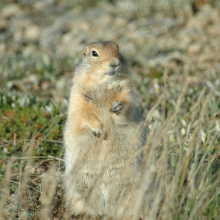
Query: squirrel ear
[{"x": 84, "y": 51}]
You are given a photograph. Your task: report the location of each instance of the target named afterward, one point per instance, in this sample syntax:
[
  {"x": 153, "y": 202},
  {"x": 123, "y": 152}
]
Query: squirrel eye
[{"x": 94, "y": 53}]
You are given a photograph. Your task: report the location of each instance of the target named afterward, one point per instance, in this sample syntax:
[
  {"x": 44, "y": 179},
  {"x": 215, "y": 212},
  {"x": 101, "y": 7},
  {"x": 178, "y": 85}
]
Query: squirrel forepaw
[
  {"x": 116, "y": 107},
  {"x": 97, "y": 131}
]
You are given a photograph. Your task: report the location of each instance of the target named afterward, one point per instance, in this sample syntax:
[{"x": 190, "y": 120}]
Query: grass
[
  {"x": 183, "y": 145},
  {"x": 184, "y": 128},
  {"x": 25, "y": 118}
]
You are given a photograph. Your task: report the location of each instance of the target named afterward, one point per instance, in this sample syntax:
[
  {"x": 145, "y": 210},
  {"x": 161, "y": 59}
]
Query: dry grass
[{"x": 182, "y": 157}]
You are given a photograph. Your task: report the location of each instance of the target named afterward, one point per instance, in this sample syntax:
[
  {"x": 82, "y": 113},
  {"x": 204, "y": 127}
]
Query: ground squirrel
[{"x": 101, "y": 134}]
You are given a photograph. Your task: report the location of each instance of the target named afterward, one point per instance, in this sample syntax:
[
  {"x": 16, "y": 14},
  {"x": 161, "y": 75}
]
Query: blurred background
[
  {"x": 41, "y": 42},
  {"x": 48, "y": 36}
]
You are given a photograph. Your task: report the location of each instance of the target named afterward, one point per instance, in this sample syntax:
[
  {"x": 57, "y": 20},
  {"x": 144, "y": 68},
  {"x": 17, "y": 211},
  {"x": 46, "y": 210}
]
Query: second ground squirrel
[{"x": 101, "y": 134}]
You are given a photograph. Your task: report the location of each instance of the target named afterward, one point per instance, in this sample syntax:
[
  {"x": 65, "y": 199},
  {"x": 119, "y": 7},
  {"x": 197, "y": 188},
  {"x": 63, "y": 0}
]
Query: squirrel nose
[{"x": 114, "y": 63}]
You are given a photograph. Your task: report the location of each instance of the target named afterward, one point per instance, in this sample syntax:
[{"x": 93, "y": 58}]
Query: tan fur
[{"x": 99, "y": 142}]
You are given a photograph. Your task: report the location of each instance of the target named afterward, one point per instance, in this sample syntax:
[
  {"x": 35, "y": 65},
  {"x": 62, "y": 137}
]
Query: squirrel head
[{"x": 103, "y": 59}]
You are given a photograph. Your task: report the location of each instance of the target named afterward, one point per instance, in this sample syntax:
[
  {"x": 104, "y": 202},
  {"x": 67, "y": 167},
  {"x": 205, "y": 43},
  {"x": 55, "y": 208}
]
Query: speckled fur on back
[{"x": 101, "y": 134}]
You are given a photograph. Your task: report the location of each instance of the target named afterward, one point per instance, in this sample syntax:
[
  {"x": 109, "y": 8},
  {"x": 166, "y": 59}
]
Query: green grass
[
  {"x": 30, "y": 115},
  {"x": 25, "y": 118}
]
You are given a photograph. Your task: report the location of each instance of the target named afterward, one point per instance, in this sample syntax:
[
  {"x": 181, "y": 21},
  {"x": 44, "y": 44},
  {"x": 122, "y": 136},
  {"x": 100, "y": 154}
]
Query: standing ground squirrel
[{"x": 101, "y": 134}]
